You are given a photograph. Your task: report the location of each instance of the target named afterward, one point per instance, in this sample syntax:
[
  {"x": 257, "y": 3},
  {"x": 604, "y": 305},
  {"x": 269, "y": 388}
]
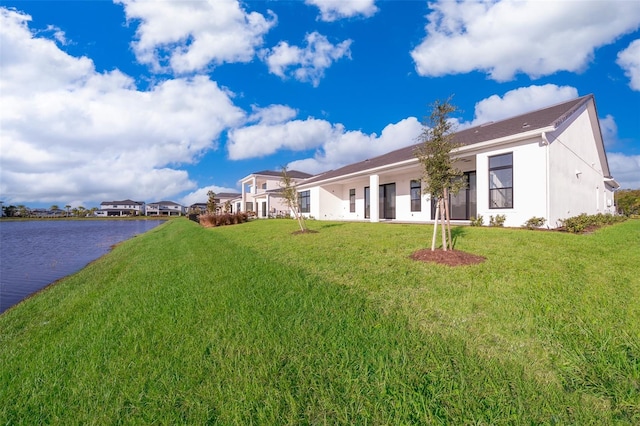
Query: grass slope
[{"x": 250, "y": 324}]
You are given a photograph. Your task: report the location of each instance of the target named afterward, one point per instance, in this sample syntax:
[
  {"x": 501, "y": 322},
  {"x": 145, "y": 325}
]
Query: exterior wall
[
  {"x": 529, "y": 183},
  {"x": 576, "y": 176},
  {"x": 330, "y": 202}
]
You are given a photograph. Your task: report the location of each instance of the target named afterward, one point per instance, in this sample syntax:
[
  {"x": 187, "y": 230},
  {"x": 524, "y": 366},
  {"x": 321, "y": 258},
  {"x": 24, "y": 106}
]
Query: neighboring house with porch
[
  {"x": 233, "y": 198},
  {"x": 221, "y": 199},
  {"x": 164, "y": 208},
  {"x": 121, "y": 208},
  {"x": 262, "y": 192},
  {"x": 548, "y": 163}
]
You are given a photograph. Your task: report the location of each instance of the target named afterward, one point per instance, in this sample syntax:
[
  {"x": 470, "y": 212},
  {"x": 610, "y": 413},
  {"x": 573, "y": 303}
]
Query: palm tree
[{"x": 67, "y": 207}]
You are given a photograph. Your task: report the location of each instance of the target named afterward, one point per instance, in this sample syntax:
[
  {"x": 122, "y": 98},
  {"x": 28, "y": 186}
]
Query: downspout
[{"x": 545, "y": 141}]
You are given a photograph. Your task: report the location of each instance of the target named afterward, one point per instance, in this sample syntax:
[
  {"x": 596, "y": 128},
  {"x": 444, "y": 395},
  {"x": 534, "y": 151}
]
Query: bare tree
[
  {"x": 290, "y": 194},
  {"x": 440, "y": 176}
]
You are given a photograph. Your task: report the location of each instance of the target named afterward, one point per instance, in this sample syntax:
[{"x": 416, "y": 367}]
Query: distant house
[
  {"x": 548, "y": 163},
  {"x": 197, "y": 208},
  {"x": 44, "y": 213},
  {"x": 262, "y": 193},
  {"x": 164, "y": 208},
  {"x": 233, "y": 200},
  {"x": 221, "y": 200},
  {"x": 121, "y": 208}
]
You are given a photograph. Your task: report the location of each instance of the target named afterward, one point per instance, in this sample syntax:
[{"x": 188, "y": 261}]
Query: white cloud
[
  {"x": 503, "y": 38},
  {"x": 200, "y": 194},
  {"x": 625, "y": 169},
  {"x": 264, "y": 139},
  {"x": 629, "y": 60},
  {"x": 609, "y": 130},
  {"x": 189, "y": 36},
  {"x": 346, "y": 147},
  {"x": 81, "y": 135},
  {"x": 332, "y": 10},
  {"x": 520, "y": 101},
  {"x": 305, "y": 64},
  {"x": 273, "y": 114}
]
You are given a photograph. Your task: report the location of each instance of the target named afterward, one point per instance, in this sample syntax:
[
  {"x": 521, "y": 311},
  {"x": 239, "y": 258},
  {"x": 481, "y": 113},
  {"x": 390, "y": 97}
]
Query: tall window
[
  {"x": 305, "y": 201},
  {"x": 501, "y": 181},
  {"x": 352, "y": 200},
  {"x": 367, "y": 202},
  {"x": 416, "y": 192}
]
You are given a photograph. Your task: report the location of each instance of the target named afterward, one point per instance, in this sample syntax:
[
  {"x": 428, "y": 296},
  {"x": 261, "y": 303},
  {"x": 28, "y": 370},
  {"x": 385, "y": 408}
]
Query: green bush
[
  {"x": 498, "y": 220},
  {"x": 210, "y": 220},
  {"x": 477, "y": 221},
  {"x": 534, "y": 222},
  {"x": 582, "y": 222}
]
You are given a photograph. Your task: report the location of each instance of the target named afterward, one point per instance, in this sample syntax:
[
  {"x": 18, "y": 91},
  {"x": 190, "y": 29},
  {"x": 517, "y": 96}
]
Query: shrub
[
  {"x": 477, "y": 221},
  {"x": 498, "y": 220},
  {"x": 210, "y": 219},
  {"x": 582, "y": 222},
  {"x": 534, "y": 222}
]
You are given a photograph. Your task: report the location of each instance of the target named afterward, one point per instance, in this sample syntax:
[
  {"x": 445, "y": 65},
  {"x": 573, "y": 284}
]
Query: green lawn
[{"x": 249, "y": 324}]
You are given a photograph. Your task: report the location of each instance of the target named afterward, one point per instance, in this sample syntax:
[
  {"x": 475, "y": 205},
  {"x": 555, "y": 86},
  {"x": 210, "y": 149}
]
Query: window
[
  {"x": 387, "y": 201},
  {"x": 367, "y": 203},
  {"x": 352, "y": 200},
  {"x": 501, "y": 181},
  {"x": 305, "y": 201},
  {"x": 416, "y": 192}
]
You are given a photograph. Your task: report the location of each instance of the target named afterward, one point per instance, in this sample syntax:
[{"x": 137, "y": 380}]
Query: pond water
[{"x": 33, "y": 254}]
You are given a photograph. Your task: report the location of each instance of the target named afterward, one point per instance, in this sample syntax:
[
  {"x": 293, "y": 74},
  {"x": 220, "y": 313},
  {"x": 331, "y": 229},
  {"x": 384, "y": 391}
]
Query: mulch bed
[
  {"x": 306, "y": 231},
  {"x": 449, "y": 257}
]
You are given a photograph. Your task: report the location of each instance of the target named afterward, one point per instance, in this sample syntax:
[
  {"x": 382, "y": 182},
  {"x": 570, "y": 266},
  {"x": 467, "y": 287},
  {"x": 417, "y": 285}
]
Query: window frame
[
  {"x": 352, "y": 200},
  {"x": 415, "y": 200},
  {"x": 367, "y": 202},
  {"x": 502, "y": 189},
  {"x": 305, "y": 207}
]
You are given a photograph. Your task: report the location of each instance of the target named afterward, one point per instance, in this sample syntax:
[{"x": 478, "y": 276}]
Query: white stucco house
[
  {"x": 164, "y": 208},
  {"x": 548, "y": 163},
  {"x": 261, "y": 192},
  {"x": 121, "y": 208}
]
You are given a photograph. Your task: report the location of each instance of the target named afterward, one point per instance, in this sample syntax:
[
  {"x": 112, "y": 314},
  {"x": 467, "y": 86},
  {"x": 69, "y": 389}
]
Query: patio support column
[
  {"x": 243, "y": 203},
  {"x": 374, "y": 195}
]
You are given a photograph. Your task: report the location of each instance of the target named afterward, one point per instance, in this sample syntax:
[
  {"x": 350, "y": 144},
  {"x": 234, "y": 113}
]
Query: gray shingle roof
[
  {"x": 292, "y": 173},
  {"x": 228, "y": 195},
  {"x": 546, "y": 117}
]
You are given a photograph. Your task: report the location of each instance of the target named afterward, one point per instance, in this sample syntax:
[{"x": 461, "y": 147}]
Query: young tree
[
  {"x": 440, "y": 176},
  {"x": 211, "y": 202},
  {"x": 290, "y": 194}
]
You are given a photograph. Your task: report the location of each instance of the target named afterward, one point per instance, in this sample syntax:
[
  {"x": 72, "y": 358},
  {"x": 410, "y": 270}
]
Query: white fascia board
[
  {"x": 482, "y": 146},
  {"x": 361, "y": 173}
]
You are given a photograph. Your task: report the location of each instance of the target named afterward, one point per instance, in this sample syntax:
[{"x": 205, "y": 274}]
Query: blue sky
[{"x": 166, "y": 100}]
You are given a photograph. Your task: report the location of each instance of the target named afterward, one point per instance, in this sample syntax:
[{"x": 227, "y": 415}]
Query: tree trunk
[
  {"x": 435, "y": 228},
  {"x": 300, "y": 219},
  {"x": 448, "y": 214},
  {"x": 442, "y": 227}
]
